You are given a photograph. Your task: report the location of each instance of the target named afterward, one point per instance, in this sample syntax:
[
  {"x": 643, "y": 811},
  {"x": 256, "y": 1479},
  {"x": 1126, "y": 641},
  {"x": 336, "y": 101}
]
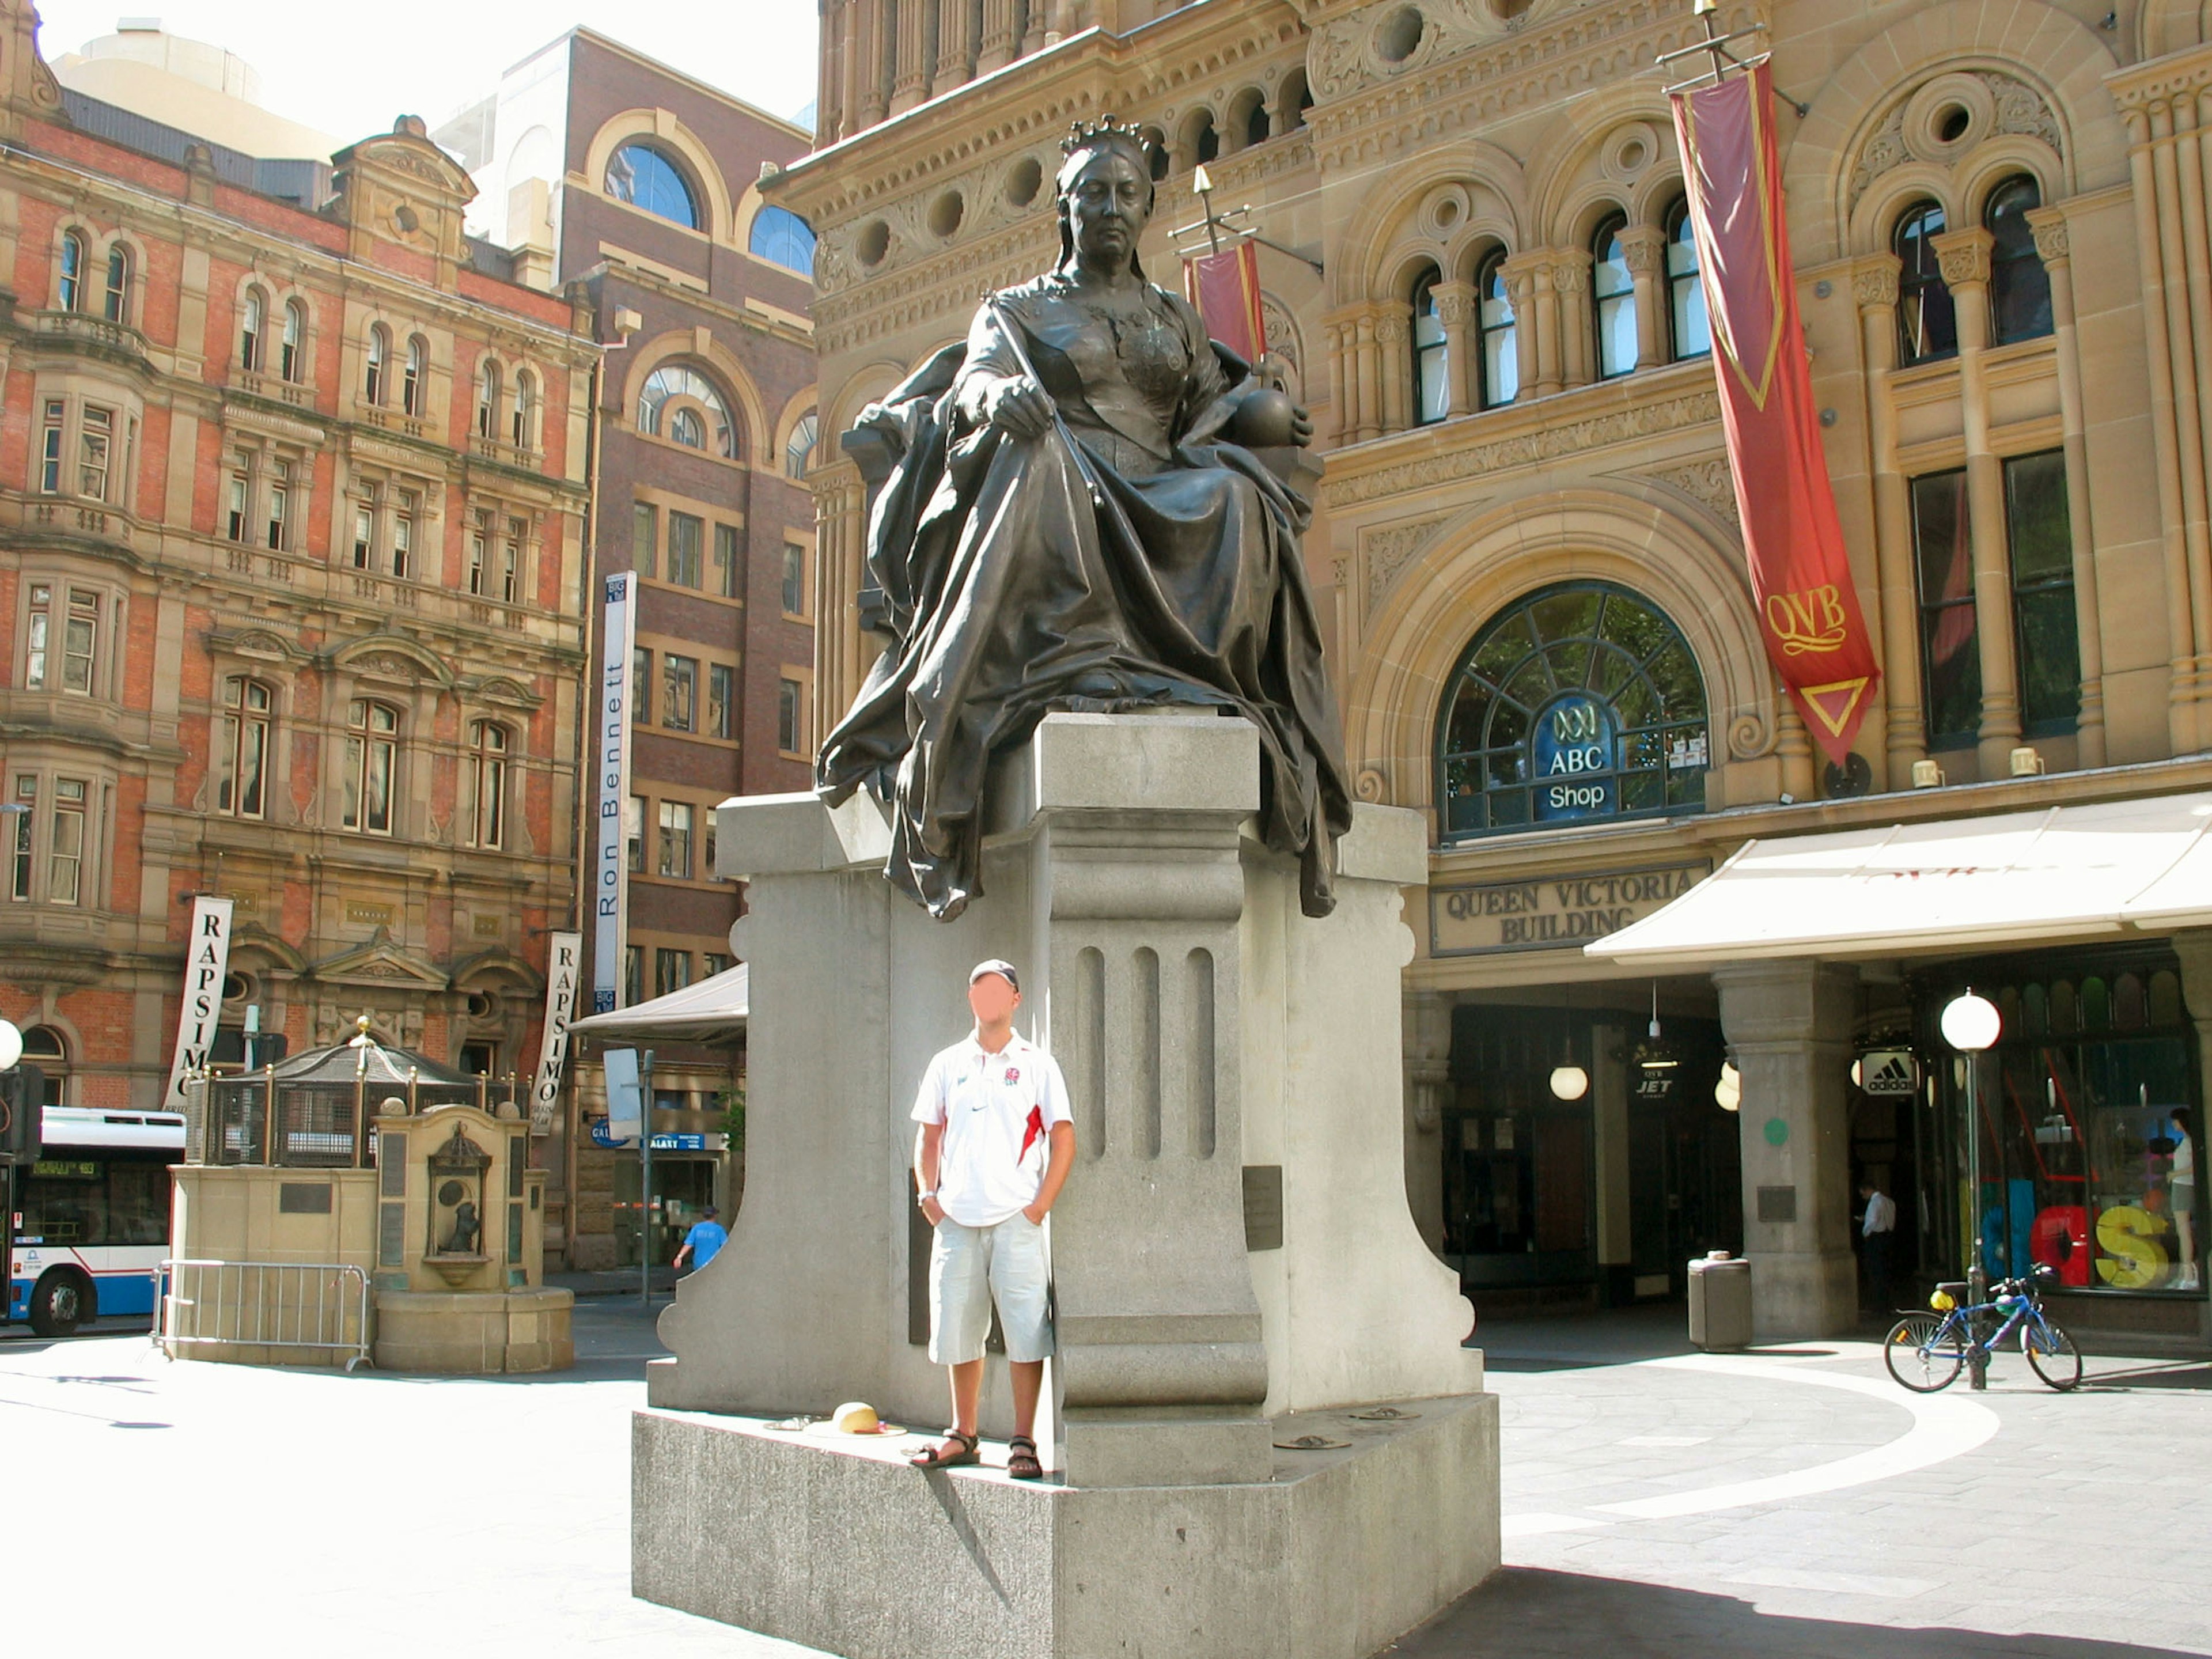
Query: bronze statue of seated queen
[{"x": 1070, "y": 515}]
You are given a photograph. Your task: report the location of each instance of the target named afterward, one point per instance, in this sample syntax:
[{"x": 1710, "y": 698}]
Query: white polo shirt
[{"x": 990, "y": 1104}]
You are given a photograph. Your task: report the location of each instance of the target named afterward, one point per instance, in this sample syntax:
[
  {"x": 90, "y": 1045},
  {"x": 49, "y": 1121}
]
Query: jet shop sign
[{"x": 1558, "y": 913}]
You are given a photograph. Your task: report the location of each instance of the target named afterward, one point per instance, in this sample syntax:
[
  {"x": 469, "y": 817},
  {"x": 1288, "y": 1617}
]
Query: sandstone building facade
[
  {"x": 1482, "y": 284},
  {"x": 292, "y": 609}
]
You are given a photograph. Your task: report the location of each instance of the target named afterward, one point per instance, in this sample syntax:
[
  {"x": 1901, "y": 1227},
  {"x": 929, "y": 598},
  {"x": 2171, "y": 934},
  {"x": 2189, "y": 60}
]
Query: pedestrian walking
[
  {"x": 1877, "y": 1228},
  {"x": 995, "y": 1145},
  {"x": 701, "y": 1244},
  {"x": 2181, "y": 1198}
]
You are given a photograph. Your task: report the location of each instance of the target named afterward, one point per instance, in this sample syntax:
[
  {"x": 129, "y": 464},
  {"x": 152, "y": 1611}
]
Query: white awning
[
  {"x": 2064, "y": 872},
  {"x": 713, "y": 1011}
]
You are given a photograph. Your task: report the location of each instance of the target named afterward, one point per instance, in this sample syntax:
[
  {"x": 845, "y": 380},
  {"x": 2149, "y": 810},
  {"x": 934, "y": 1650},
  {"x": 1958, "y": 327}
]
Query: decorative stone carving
[
  {"x": 1873, "y": 284},
  {"x": 1749, "y": 737},
  {"x": 1371, "y": 787},
  {"x": 1526, "y": 449},
  {"x": 1708, "y": 483},
  {"x": 1286, "y": 348},
  {"x": 2016, "y": 108},
  {"x": 1388, "y": 550},
  {"x": 2051, "y": 245},
  {"x": 1645, "y": 248},
  {"x": 1964, "y": 255}
]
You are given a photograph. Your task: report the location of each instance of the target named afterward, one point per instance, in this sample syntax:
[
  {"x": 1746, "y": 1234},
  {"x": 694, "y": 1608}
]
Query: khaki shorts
[{"x": 971, "y": 1267}]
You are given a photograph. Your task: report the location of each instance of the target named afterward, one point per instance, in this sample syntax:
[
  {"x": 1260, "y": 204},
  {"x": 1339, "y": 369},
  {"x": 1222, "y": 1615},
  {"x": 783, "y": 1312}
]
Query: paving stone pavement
[{"x": 1792, "y": 1505}]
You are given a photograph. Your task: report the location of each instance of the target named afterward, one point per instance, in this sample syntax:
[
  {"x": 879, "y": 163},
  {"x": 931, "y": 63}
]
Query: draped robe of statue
[{"x": 1163, "y": 569}]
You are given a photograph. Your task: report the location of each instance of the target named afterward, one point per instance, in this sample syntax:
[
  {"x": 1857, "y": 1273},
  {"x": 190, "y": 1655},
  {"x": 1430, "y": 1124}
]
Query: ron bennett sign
[{"x": 1556, "y": 913}]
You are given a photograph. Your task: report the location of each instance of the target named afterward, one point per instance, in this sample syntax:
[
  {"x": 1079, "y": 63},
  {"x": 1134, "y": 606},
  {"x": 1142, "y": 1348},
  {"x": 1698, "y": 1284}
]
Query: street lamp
[
  {"x": 1970, "y": 1024},
  {"x": 11, "y": 1047}
]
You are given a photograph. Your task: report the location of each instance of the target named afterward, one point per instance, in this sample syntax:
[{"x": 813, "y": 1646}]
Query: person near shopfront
[
  {"x": 703, "y": 1242},
  {"x": 2181, "y": 1197},
  {"x": 1877, "y": 1228},
  {"x": 995, "y": 1144}
]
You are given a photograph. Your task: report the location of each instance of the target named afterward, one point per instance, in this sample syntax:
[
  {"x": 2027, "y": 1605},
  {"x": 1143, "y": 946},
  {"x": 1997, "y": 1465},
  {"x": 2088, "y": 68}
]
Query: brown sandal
[
  {"x": 940, "y": 1457},
  {"x": 1022, "y": 1463}
]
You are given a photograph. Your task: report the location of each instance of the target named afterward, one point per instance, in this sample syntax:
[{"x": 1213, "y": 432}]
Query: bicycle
[{"x": 1925, "y": 1352}]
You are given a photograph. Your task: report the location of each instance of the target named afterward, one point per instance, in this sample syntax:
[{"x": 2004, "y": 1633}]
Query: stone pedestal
[
  {"x": 1790, "y": 1023},
  {"x": 1234, "y": 1244}
]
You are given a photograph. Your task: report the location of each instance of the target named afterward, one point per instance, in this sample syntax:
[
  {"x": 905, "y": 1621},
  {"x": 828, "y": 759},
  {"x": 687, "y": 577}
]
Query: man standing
[
  {"x": 707, "y": 1236},
  {"x": 1876, "y": 1228},
  {"x": 995, "y": 1148}
]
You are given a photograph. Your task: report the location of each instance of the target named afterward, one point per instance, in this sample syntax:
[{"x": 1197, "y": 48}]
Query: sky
[{"x": 347, "y": 70}]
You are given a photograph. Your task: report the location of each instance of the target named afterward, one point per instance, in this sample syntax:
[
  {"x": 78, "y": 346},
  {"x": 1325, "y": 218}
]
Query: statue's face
[{"x": 1107, "y": 203}]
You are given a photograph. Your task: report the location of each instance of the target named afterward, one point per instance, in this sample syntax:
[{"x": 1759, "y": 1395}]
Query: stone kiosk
[
  {"x": 1236, "y": 1265},
  {"x": 361, "y": 1201}
]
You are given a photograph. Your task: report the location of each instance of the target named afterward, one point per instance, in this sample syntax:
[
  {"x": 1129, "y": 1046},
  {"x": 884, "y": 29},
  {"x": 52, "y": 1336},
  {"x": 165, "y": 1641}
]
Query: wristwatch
[{"x": 924, "y": 1198}]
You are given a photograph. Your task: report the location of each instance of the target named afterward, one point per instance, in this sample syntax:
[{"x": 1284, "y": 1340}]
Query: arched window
[
  {"x": 2020, "y": 288},
  {"x": 1247, "y": 116},
  {"x": 686, "y": 387},
  {"x": 783, "y": 238},
  {"x": 488, "y": 399},
  {"x": 1501, "y": 352},
  {"x": 646, "y": 177},
  {"x": 292, "y": 362},
  {"x": 1612, "y": 291},
  {"x": 410, "y": 385},
  {"x": 488, "y": 742},
  {"x": 525, "y": 407},
  {"x": 241, "y": 747},
  {"x": 1691, "y": 333},
  {"x": 118, "y": 306},
  {"x": 372, "y": 765},
  {"x": 1203, "y": 140},
  {"x": 379, "y": 353},
  {"x": 1579, "y": 702},
  {"x": 69, "y": 288},
  {"x": 44, "y": 1048},
  {"x": 800, "y": 451},
  {"x": 252, "y": 317},
  {"x": 1156, "y": 152},
  {"x": 1296, "y": 98},
  {"x": 1926, "y": 326},
  {"x": 1432, "y": 352}
]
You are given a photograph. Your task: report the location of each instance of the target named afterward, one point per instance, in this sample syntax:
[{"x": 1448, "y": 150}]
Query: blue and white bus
[{"x": 90, "y": 1219}]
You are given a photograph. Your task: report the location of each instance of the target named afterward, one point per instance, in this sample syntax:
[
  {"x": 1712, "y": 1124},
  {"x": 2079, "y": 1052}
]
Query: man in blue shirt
[{"x": 701, "y": 1243}]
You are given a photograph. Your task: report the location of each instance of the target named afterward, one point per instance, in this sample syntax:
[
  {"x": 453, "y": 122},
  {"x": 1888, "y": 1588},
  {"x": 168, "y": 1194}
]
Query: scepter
[{"x": 992, "y": 301}]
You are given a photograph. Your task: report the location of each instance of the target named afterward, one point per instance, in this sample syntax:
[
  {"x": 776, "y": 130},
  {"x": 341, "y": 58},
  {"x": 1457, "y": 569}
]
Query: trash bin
[{"x": 1720, "y": 1303}]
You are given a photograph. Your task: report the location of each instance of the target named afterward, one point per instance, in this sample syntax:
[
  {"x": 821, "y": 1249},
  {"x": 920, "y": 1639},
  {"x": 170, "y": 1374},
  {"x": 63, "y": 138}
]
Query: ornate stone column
[
  {"x": 1574, "y": 329},
  {"x": 1874, "y": 286},
  {"x": 1964, "y": 256},
  {"x": 1455, "y": 305},
  {"x": 1368, "y": 382},
  {"x": 955, "y": 51},
  {"x": 1645, "y": 249},
  {"x": 871, "y": 64},
  {"x": 1536, "y": 322},
  {"x": 1789, "y": 1025},
  {"x": 1394, "y": 336},
  {"x": 1336, "y": 341},
  {"x": 836, "y": 67},
  {"x": 996, "y": 47},
  {"x": 2051, "y": 246},
  {"x": 910, "y": 58}
]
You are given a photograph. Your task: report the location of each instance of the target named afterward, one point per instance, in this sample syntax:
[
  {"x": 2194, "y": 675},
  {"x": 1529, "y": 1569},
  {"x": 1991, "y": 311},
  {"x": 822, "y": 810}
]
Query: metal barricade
[{"x": 319, "y": 1305}]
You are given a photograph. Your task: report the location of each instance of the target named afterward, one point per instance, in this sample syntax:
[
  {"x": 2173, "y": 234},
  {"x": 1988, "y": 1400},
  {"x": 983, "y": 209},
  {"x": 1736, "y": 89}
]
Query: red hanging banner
[
  {"x": 1809, "y": 608},
  {"x": 1224, "y": 287}
]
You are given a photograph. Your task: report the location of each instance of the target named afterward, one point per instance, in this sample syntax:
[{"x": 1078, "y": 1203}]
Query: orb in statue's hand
[{"x": 1268, "y": 419}]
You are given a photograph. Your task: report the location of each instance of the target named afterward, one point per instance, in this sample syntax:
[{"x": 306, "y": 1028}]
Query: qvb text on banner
[
  {"x": 1808, "y": 608},
  {"x": 1224, "y": 287}
]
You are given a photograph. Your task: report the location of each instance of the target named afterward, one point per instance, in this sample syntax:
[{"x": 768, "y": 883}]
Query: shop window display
[
  {"x": 2090, "y": 1134},
  {"x": 1579, "y": 702}
]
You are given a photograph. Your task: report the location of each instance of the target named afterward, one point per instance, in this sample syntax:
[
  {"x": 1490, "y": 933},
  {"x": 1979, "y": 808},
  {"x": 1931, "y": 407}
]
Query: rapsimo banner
[
  {"x": 1224, "y": 287},
  {"x": 611, "y": 874},
  {"x": 1809, "y": 608},
  {"x": 207, "y": 961},
  {"x": 562, "y": 962}
]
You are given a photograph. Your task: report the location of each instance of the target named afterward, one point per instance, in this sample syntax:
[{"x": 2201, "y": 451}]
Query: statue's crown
[{"x": 1083, "y": 134}]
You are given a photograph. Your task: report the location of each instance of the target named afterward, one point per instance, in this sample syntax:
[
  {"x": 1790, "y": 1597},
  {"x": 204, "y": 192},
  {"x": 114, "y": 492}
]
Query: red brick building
[
  {"x": 292, "y": 488},
  {"x": 640, "y": 185}
]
